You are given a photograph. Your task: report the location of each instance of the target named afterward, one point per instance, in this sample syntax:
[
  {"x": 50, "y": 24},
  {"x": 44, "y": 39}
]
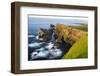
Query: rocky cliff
[{"x": 70, "y": 35}]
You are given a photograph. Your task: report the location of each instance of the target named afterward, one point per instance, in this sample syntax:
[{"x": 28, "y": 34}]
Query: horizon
[{"x": 34, "y": 23}]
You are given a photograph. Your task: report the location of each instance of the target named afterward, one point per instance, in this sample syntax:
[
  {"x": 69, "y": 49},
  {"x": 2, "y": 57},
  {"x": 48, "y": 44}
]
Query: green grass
[
  {"x": 83, "y": 27},
  {"x": 79, "y": 49}
]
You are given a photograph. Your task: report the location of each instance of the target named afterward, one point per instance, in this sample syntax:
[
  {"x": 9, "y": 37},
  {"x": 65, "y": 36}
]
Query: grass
[
  {"x": 83, "y": 27},
  {"x": 79, "y": 49}
]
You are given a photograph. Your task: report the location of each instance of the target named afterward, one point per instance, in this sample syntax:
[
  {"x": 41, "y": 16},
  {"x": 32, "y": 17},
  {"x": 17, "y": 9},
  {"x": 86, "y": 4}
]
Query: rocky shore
[{"x": 53, "y": 43}]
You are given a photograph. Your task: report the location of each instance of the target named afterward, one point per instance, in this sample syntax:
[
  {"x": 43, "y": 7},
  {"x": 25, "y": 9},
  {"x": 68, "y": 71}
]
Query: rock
[
  {"x": 52, "y": 27},
  {"x": 45, "y": 34}
]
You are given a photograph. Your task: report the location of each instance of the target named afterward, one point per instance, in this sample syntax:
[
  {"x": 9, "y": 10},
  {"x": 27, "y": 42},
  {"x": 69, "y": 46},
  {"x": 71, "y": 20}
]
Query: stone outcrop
[{"x": 46, "y": 34}]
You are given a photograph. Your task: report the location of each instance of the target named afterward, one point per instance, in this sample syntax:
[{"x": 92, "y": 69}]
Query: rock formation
[{"x": 70, "y": 35}]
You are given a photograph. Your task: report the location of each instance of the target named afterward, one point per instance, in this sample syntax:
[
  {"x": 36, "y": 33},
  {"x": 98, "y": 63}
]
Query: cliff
[
  {"x": 76, "y": 37},
  {"x": 69, "y": 34}
]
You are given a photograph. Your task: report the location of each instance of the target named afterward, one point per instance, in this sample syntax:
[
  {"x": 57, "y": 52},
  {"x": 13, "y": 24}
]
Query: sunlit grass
[{"x": 79, "y": 49}]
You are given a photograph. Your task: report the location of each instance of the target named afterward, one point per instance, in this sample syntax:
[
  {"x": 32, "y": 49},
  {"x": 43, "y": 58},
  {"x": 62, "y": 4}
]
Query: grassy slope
[
  {"x": 81, "y": 27},
  {"x": 79, "y": 49}
]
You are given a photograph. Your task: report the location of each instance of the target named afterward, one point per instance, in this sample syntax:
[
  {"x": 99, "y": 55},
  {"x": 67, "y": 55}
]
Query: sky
[{"x": 34, "y": 23}]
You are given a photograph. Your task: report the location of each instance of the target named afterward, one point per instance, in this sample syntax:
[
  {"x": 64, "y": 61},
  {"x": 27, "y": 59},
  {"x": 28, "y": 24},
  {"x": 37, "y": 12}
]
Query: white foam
[
  {"x": 31, "y": 36},
  {"x": 40, "y": 54},
  {"x": 41, "y": 49},
  {"x": 34, "y": 44},
  {"x": 50, "y": 45},
  {"x": 55, "y": 53},
  {"x": 37, "y": 37}
]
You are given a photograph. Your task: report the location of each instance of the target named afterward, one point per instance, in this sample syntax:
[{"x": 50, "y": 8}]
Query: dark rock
[{"x": 46, "y": 34}]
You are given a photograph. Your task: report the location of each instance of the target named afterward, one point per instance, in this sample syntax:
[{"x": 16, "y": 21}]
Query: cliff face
[
  {"x": 70, "y": 35},
  {"x": 77, "y": 38},
  {"x": 61, "y": 32}
]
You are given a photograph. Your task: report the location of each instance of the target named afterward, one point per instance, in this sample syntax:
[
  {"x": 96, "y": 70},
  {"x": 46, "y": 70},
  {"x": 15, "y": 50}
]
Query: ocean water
[
  {"x": 39, "y": 50},
  {"x": 34, "y": 28}
]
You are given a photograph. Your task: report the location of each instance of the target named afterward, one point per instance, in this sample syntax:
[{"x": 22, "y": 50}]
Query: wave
[
  {"x": 31, "y": 36},
  {"x": 55, "y": 53},
  {"x": 49, "y": 46},
  {"x": 36, "y": 44},
  {"x": 39, "y": 53}
]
